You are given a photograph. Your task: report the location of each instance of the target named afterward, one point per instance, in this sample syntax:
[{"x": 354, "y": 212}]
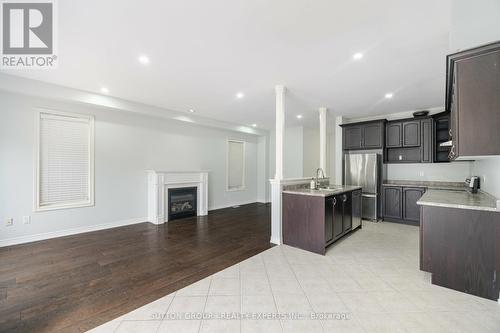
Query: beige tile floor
[{"x": 367, "y": 282}]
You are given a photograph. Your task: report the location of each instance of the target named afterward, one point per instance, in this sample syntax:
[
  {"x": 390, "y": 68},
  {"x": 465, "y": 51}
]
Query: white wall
[
  {"x": 475, "y": 23},
  {"x": 126, "y": 145},
  {"x": 489, "y": 171},
  {"x": 293, "y": 151},
  {"x": 263, "y": 169},
  {"x": 310, "y": 152}
]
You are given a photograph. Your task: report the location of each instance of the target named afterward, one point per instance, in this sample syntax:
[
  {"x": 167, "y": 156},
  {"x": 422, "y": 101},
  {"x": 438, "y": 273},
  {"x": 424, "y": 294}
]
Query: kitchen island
[
  {"x": 460, "y": 241},
  {"x": 314, "y": 219}
]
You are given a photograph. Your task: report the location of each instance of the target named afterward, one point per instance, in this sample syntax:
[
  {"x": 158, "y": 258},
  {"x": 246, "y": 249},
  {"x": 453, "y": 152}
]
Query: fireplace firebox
[{"x": 182, "y": 202}]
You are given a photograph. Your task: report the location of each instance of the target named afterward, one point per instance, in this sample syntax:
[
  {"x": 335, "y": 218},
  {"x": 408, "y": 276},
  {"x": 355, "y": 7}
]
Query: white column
[
  {"x": 280, "y": 130},
  {"x": 276, "y": 187},
  {"x": 322, "y": 138},
  {"x": 338, "y": 150}
]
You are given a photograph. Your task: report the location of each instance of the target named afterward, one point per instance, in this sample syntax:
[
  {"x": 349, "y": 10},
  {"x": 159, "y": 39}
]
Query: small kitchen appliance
[{"x": 472, "y": 184}]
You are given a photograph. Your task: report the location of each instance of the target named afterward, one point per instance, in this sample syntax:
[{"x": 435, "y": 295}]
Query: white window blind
[
  {"x": 65, "y": 166},
  {"x": 235, "y": 165}
]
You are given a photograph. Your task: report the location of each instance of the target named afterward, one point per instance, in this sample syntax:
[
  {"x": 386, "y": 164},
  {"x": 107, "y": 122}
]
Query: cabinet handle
[
  {"x": 451, "y": 134},
  {"x": 451, "y": 155},
  {"x": 334, "y": 201},
  {"x": 344, "y": 198}
]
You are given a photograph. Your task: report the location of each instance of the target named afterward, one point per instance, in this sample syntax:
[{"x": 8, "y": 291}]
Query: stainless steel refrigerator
[{"x": 365, "y": 170}]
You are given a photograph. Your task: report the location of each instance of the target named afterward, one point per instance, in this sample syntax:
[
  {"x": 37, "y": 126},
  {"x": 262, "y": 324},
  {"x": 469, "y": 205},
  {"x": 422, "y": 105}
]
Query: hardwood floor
[{"x": 75, "y": 283}]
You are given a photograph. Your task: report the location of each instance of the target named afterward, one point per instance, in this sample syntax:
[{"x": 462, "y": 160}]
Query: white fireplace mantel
[{"x": 160, "y": 181}]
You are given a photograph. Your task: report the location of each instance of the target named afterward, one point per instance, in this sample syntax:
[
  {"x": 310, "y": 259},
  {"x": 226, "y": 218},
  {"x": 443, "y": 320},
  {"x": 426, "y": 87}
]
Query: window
[
  {"x": 65, "y": 161},
  {"x": 235, "y": 165}
]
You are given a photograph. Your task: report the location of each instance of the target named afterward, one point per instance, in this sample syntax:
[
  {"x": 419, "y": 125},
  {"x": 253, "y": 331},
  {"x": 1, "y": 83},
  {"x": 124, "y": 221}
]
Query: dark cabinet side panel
[
  {"x": 329, "y": 216},
  {"x": 458, "y": 248},
  {"x": 478, "y": 80},
  {"x": 303, "y": 222},
  {"x": 427, "y": 141}
]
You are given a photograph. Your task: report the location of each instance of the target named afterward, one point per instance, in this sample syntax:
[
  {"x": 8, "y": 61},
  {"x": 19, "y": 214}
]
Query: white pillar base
[{"x": 276, "y": 227}]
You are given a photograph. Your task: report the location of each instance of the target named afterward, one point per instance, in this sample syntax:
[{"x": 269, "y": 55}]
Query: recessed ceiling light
[
  {"x": 143, "y": 59},
  {"x": 389, "y": 95},
  {"x": 240, "y": 95},
  {"x": 357, "y": 55},
  {"x": 299, "y": 116},
  {"x": 192, "y": 110},
  {"x": 105, "y": 90},
  {"x": 254, "y": 125}
]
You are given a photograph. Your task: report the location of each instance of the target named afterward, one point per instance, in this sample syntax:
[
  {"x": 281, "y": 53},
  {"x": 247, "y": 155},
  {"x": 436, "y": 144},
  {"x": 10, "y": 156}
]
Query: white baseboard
[
  {"x": 275, "y": 241},
  {"x": 231, "y": 205},
  {"x": 68, "y": 232}
]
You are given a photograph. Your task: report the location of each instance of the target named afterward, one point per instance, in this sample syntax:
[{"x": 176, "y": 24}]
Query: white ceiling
[{"x": 203, "y": 52}]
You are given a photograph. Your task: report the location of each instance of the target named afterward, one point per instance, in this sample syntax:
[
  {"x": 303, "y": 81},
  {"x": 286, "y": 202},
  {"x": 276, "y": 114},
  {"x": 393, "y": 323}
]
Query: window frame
[
  {"x": 38, "y": 207},
  {"x": 243, "y": 176}
]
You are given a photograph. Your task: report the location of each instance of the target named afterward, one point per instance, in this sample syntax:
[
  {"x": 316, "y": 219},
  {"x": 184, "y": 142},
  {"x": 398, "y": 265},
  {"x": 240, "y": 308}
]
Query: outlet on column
[{"x": 9, "y": 222}]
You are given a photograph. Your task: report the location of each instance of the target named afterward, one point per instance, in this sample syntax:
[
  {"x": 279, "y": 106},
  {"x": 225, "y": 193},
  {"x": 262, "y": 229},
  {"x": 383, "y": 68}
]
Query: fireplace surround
[{"x": 159, "y": 184}]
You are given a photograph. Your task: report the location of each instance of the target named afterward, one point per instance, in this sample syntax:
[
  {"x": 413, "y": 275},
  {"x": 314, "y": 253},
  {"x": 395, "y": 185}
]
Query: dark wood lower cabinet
[
  {"x": 400, "y": 204},
  {"x": 314, "y": 222},
  {"x": 338, "y": 224},
  {"x": 411, "y": 211},
  {"x": 393, "y": 208},
  {"x": 461, "y": 248}
]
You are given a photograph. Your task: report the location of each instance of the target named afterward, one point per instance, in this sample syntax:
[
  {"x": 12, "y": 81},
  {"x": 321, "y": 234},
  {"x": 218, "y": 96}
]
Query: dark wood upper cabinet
[
  {"x": 411, "y": 133},
  {"x": 393, "y": 135},
  {"x": 352, "y": 137},
  {"x": 473, "y": 98},
  {"x": 364, "y": 135},
  {"x": 372, "y": 135},
  {"x": 411, "y": 211},
  {"x": 441, "y": 134},
  {"x": 427, "y": 134}
]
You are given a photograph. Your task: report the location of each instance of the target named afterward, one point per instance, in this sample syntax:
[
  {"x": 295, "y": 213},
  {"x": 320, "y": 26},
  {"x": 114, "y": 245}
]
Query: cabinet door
[
  {"x": 347, "y": 218},
  {"x": 392, "y": 202},
  {"x": 453, "y": 118},
  {"x": 356, "y": 209},
  {"x": 338, "y": 212},
  {"x": 478, "y": 89},
  {"x": 329, "y": 215},
  {"x": 372, "y": 135},
  {"x": 411, "y": 211},
  {"x": 393, "y": 135},
  {"x": 411, "y": 133},
  {"x": 427, "y": 140},
  {"x": 352, "y": 137}
]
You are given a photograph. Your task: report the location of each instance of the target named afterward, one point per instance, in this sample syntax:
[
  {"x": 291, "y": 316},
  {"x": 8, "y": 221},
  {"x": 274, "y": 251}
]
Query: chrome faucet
[{"x": 317, "y": 176}]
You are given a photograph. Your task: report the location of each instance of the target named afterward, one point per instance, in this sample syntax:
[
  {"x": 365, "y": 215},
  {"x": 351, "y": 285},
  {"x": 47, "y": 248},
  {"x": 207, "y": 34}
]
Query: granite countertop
[
  {"x": 456, "y": 186},
  {"x": 459, "y": 199},
  {"x": 334, "y": 189}
]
